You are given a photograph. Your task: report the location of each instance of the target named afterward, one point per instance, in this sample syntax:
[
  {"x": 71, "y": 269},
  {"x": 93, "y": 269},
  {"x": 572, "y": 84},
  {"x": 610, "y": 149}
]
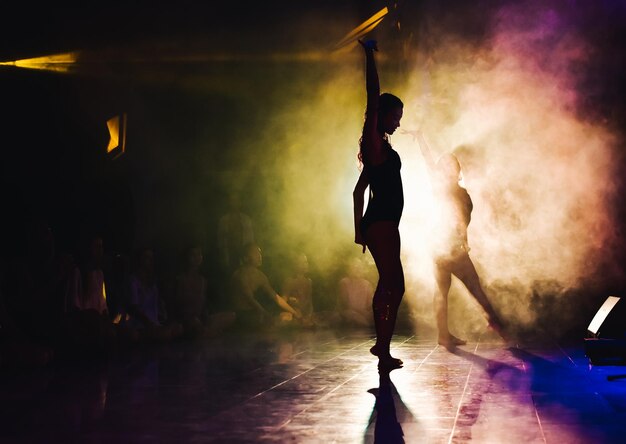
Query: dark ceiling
[{"x": 50, "y": 28}]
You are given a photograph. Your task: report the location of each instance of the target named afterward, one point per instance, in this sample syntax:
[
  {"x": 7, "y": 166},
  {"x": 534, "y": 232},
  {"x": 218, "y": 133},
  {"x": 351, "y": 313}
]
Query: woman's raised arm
[
  {"x": 371, "y": 141},
  {"x": 426, "y": 152}
]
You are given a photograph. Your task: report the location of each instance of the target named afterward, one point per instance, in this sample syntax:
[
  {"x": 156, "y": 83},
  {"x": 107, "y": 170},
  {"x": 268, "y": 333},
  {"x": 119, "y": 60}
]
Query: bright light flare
[
  {"x": 117, "y": 134},
  {"x": 55, "y": 63},
  {"x": 601, "y": 315},
  {"x": 363, "y": 28}
]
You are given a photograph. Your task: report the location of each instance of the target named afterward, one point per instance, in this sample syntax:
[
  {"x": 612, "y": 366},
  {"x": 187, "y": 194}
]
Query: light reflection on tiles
[{"x": 318, "y": 387}]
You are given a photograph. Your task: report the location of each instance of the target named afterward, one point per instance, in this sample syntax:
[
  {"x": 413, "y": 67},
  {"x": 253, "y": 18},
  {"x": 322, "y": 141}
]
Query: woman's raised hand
[
  {"x": 358, "y": 239},
  {"x": 369, "y": 45}
]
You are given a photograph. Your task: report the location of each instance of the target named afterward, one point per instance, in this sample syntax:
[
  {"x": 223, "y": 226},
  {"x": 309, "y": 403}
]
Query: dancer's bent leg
[{"x": 466, "y": 272}]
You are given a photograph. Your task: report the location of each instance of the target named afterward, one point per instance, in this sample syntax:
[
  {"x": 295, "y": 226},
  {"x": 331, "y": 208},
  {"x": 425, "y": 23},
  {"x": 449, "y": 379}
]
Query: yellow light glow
[
  {"x": 56, "y": 62},
  {"x": 114, "y": 133},
  {"x": 363, "y": 28},
  {"x": 117, "y": 134}
]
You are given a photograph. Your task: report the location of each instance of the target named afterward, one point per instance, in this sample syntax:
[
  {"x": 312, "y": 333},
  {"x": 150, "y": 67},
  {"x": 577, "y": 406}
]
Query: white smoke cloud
[{"x": 541, "y": 178}]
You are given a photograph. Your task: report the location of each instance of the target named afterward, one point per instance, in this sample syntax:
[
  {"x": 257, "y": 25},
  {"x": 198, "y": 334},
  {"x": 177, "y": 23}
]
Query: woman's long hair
[{"x": 386, "y": 103}]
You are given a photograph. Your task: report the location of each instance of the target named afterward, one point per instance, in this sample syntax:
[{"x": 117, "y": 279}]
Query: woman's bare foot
[
  {"x": 389, "y": 363},
  {"x": 450, "y": 341},
  {"x": 458, "y": 341},
  {"x": 498, "y": 326},
  {"x": 386, "y": 361}
]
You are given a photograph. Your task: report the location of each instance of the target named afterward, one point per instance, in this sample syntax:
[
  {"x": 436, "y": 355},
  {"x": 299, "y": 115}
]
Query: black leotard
[
  {"x": 386, "y": 198},
  {"x": 454, "y": 215}
]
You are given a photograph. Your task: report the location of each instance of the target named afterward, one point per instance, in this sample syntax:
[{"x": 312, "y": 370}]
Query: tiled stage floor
[{"x": 318, "y": 387}]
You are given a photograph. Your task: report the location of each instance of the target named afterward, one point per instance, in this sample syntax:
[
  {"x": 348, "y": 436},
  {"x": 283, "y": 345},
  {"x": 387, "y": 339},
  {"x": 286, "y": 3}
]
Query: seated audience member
[
  {"x": 254, "y": 300},
  {"x": 87, "y": 316},
  {"x": 34, "y": 284},
  {"x": 234, "y": 232},
  {"x": 355, "y": 296},
  {"x": 190, "y": 305},
  {"x": 117, "y": 278},
  {"x": 298, "y": 290},
  {"x": 93, "y": 296},
  {"x": 145, "y": 305},
  {"x": 118, "y": 286}
]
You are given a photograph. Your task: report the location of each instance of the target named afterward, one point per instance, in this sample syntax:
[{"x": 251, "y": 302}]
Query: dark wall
[{"x": 54, "y": 163}]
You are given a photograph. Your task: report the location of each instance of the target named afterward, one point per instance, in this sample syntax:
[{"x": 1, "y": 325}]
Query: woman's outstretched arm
[
  {"x": 426, "y": 152},
  {"x": 278, "y": 299},
  {"x": 282, "y": 303},
  {"x": 359, "y": 202},
  {"x": 371, "y": 141}
]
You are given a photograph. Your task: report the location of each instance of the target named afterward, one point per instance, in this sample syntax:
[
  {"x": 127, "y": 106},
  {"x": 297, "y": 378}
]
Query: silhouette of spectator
[
  {"x": 93, "y": 296},
  {"x": 254, "y": 300},
  {"x": 355, "y": 296},
  {"x": 74, "y": 286},
  {"x": 118, "y": 287},
  {"x": 234, "y": 233},
  {"x": 36, "y": 286},
  {"x": 190, "y": 306},
  {"x": 298, "y": 289},
  {"x": 87, "y": 323},
  {"x": 146, "y": 308}
]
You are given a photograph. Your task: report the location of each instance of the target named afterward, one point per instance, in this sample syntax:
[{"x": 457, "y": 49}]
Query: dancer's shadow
[
  {"x": 561, "y": 393},
  {"x": 490, "y": 366},
  {"x": 387, "y": 428}
]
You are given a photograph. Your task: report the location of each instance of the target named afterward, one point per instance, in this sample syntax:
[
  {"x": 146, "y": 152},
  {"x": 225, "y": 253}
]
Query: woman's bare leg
[
  {"x": 464, "y": 269},
  {"x": 443, "y": 276},
  {"x": 383, "y": 240}
]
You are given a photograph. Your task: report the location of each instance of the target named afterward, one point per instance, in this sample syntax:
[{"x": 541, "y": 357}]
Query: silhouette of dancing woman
[
  {"x": 452, "y": 249},
  {"x": 378, "y": 227}
]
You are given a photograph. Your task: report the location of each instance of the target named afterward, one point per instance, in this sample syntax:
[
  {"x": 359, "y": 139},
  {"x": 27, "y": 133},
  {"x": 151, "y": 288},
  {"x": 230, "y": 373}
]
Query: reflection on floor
[{"x": 318, "y": 387}]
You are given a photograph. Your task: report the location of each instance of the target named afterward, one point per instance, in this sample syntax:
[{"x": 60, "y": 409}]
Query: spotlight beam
[
  {"x": 362, "y": 29},
  {"x": 55, "y": 62}
]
